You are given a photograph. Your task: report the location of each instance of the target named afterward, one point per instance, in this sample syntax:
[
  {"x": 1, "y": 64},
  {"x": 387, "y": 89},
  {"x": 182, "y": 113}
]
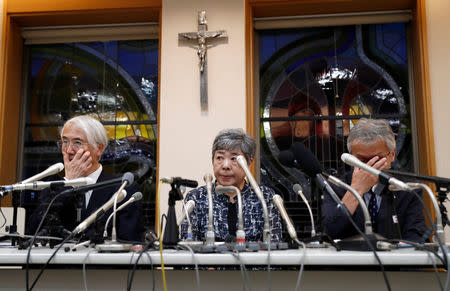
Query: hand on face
[
  {"x": 376, "y": 155},
  {"x": 362, "y": 181},
  {"x": 77, "y": 165}
]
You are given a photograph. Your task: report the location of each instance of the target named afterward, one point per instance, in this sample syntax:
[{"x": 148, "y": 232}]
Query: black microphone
[
  {"x": 95, "y": 186},
  {"x": 180, "y": 182}
]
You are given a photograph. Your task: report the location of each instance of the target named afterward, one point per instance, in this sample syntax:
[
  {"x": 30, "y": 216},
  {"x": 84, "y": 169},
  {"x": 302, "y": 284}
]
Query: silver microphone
[
  {"x": 127, "y": 179},
  {"x": 298, "y": 189},
  {"x": 42, "y": 185},
  {"x": 367, "y": 219},
  {"x": 278, "y": 201},
  {"x": 135, "y": 197},
  {"x": 240, "y": 233},
  {"x": 439, "y": 228},
  {"x": 99, "y": 212},
  {"x": 52, "y": 170},
  {"x": 187, "y": 209},
  {"x": 355, "y": 162},
  {"x": 266, "y": 232},
  {"x": 209, "y": 237}
]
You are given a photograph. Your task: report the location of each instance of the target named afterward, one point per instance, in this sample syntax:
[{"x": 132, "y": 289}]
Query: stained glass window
[
  {"x": 315, "y": 83},
  {"x": 115, "y": 82}
]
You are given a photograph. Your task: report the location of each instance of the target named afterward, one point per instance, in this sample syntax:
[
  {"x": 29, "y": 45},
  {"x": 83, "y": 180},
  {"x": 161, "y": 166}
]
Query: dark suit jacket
[
  {"x": 408, "y": 207},
  {"x": 129, "y": 220}
]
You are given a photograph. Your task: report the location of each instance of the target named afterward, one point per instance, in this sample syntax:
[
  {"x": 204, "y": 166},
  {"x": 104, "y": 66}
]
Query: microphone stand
[
  {"x": 171, "y": 232},
  {"x": 16, "y": 195},
  {"x": 358, "y": 242}
]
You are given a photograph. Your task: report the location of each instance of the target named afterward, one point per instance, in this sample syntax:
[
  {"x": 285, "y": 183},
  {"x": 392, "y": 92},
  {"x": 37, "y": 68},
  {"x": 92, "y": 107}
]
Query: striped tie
[{"x": 373, "y": 207}]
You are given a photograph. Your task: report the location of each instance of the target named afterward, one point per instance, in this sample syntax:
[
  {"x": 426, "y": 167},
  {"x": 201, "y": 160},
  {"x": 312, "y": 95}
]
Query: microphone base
[
  {"x": 358, "y": 243},
  {"x": 316, "y": 245},
  {"x": 113, "y": 247}
]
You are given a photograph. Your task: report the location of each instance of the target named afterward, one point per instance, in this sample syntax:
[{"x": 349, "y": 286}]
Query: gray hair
[
  {"x": 235, "y": 138},
  {"x": 368, "y": 131},
  {"x": 94, "y": 130}
]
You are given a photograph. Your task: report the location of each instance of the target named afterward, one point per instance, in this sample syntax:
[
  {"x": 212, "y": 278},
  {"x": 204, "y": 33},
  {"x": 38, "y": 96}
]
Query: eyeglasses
[
  {"x": 366, "y": 159},
  {"x": 75, "y": 144}
]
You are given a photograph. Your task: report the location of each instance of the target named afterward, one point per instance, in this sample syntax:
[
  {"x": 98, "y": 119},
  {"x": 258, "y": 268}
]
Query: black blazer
[
  {"x": 408, "y": 207},
  {"x": 129, "y": 220}
]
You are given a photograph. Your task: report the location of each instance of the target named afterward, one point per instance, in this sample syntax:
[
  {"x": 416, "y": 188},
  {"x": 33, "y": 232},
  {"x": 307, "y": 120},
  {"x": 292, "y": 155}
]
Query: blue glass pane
[
  {"x": 115, "y": 81},
  {"x": 316, "y": 82}
]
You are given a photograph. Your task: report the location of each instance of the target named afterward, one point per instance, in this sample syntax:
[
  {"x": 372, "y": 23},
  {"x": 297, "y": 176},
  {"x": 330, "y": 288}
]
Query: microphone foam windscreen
[
  {"x": 137, "y": 196},
  {"x": 306, "y": 159},
  {"x": 286, "y": 158},
  {"x": 128, "y": 177},
  {"x": 297, "y": 188}
]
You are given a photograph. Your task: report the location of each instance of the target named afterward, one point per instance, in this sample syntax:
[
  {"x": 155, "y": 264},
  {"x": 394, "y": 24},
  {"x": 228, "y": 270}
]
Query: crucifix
[{"x": 201, "y": 36}]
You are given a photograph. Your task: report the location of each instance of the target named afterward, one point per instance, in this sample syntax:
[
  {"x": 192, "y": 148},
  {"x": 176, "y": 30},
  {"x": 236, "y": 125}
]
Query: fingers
[
  {"x": 79, "y": 165},
  {"x": 377, "y": 163}
]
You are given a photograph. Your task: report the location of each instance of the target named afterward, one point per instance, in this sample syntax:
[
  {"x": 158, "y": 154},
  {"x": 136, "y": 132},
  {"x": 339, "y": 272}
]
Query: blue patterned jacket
[{"x": 252, "y": 214}]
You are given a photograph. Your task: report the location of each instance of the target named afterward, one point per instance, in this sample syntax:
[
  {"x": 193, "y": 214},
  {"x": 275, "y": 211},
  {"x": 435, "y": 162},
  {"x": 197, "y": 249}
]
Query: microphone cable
[
  {"x": 27, "y": 267},
  {"x": 441, "y": 246},
  {"x": 197, "y": 274},
  {"x": 84, "y": 269},
  {"x": 132, "y": 271},
  {"x": 302, "y": 265},
  {"x": 244, "y": 273},
  {"x": 158, "y": 196},
  {"x": 49, "y": 259},
  {"x": 4, "y": 218},
  {"x": 421, "y": 247},
  {"x": 344, "y": 209}
]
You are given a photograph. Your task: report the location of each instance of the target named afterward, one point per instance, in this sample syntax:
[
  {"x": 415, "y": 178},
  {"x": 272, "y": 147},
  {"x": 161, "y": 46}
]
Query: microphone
[
  {"x": 311, "y": 166},
  {"x": 209, "y": 236},
  {"x": 278, "y": 201},
  {"x": 99, "y": 212},
  {"x": 353, "y": 161},
  {"x": 52, "y": 184},
  {"x": 266, "y": 232},
  {"x": 135, "y": 197},
  {"x": 52, "y": 170},
  {"x": 298, "y": 189},
  {"x": 187, "y": 209},
  {"x": 439, "y": 228},
  {"x": 240, "y": 233},
  {"x": 367, "y": 220},
  {"x": 127, "y": 179},
  {"x": 180, "y": 182}
]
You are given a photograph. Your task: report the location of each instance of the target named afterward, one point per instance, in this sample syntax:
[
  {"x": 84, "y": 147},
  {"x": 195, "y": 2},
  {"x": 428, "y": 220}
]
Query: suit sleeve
[
  {"x": 335, "y": 222},
  {"x": 413, "y": 225}
]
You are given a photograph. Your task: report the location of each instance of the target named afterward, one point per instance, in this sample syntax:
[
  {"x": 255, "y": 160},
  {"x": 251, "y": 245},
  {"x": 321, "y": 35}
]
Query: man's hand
[
  {"x": 77, "y": 166},
  {"x": 362, "y": 181}
]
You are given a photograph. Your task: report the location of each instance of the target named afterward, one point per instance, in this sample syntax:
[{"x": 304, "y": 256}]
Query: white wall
[
  {"x": 186, "y": 132},
  {"x": 438, "y": 23}
]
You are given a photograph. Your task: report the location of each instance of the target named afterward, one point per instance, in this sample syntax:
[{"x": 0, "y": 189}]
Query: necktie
[{"x": 373, "y": 207}]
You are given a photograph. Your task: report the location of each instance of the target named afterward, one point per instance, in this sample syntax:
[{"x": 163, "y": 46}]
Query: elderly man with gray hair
[
  {"x": 83, "y": 140},
  {"x": 372, "y": 141},
  {"x": 227, "y": 146}
]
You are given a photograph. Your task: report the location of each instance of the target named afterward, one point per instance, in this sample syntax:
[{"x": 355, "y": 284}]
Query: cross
[{"x": 201, "y": 36}]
